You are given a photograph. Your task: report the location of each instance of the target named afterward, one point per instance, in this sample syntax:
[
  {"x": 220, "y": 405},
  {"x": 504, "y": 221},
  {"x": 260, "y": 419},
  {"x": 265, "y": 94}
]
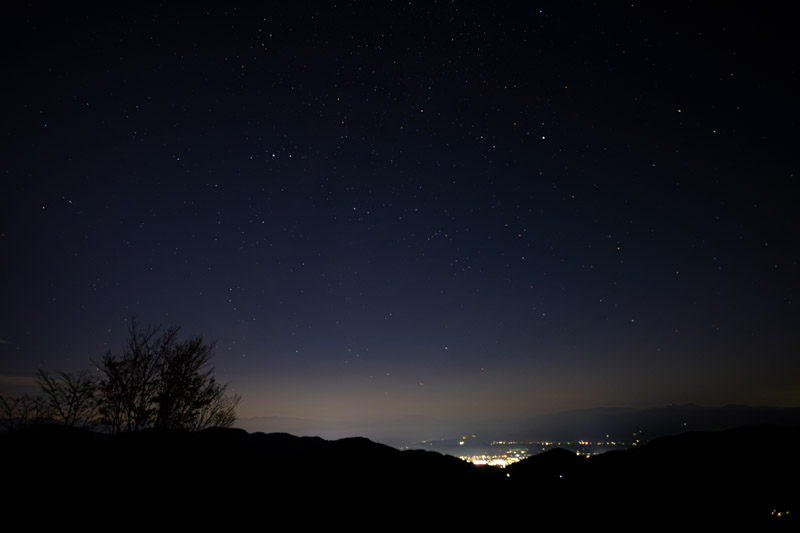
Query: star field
[{"x": 381, "y": 209}]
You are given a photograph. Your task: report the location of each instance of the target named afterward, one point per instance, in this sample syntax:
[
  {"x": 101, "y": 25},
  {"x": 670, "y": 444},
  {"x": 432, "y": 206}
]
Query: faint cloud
[
  {"x": 17, "y": 380},
  {"x": 3, "y": 341}
]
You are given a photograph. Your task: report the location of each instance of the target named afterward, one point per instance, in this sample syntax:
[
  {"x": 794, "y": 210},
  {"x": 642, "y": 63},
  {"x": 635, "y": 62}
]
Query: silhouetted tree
[
  {"x": 161, "y": 382},
  {"x": 220, "y": 412},
  {"x": 130, "y": 383},
  {"x": 72, "y": 397},
  {"x": 23, "y": 411}
]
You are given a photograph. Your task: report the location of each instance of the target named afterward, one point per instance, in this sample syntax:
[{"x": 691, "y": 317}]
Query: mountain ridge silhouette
[{"x": 738, "y": 476}]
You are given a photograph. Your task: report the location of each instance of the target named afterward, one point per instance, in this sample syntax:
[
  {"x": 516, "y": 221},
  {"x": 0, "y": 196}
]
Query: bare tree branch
[
  {"x": 161, "y": 382},
  {"x": 72, "y": 397}
]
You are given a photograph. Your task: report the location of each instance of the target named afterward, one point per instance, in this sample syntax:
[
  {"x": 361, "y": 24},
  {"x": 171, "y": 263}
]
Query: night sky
[{"x": 380, "y": 209}]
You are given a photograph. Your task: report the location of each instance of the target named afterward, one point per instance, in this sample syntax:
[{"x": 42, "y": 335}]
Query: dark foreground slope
[
  {"x": 229, "y": 475},
  {"x": 743, "y": 475}
]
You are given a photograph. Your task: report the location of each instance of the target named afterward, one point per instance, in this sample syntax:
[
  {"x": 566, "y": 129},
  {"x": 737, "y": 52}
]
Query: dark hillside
[
  {"x": 735, "y": 476},
  {"x": 220, "y": 473},
  {"x": 53, "y": 473}
]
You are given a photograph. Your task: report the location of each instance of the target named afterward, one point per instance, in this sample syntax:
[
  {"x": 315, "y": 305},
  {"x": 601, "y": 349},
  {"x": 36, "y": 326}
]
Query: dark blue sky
[{"x": 389, "y": 208}]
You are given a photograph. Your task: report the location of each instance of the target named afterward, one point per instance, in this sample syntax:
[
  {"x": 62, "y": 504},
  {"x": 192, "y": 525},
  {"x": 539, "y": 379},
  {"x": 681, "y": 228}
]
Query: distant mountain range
[
  {"x": 55, "y": 475},
  {"x": 593, "y": 424}
]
